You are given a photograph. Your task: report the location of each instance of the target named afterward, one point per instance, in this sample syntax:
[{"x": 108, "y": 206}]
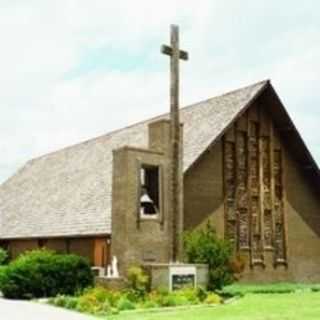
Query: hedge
[{"x": 43, "y": 273}]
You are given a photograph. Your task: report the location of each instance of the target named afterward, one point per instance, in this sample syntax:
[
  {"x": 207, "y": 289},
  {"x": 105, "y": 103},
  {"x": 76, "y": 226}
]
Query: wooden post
[{"x": 175, "y": 149}]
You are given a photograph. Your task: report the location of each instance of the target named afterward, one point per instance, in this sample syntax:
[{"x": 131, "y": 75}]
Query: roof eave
[{"x": 241, "y": 112}]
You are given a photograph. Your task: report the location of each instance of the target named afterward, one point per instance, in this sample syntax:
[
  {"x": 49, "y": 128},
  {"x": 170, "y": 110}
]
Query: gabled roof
[{"x": 68, "y": 192}]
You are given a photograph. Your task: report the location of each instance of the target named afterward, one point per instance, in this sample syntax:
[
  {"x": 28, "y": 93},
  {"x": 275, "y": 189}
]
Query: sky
[{"x": 71, "y": 70}]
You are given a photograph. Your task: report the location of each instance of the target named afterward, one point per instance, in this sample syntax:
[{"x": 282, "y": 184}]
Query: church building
[{"x": 245, "y": 168}]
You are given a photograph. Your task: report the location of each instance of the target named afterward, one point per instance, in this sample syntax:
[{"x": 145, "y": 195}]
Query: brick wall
[
  {"x": 134, "y": 239},
  {"x": 204, "y": 200},
  {"x": 203, "y": 192},
  {"x": 137, "y": 240}
]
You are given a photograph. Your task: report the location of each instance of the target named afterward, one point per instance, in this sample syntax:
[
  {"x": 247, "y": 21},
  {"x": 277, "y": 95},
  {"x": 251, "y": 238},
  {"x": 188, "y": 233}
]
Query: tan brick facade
[
  {"x": 136, "y": 239},
  {"x": 204, "y": 200}
]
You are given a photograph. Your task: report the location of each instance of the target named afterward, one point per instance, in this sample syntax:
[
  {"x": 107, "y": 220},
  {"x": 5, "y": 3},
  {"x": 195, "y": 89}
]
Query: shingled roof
[{"x": 68, "y": 192}]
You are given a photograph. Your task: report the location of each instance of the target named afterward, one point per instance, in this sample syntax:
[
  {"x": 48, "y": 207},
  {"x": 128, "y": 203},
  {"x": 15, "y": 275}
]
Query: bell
[
  {"x": 146, "y": 203},
  {"x": 145, "y": 199}
]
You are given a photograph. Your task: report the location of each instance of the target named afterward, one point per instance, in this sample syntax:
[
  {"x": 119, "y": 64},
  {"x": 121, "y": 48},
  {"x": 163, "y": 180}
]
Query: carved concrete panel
[
  {"x": 253, "y": 176},
  {"x": 254, "y": 206},
  {"x": 230, "y": 191},
  {"x": 254, "y": 185},
  {"x": 267, "y": 199},
  {"x": 280, "y": 250},
  {"x": 242, "y": 190}
]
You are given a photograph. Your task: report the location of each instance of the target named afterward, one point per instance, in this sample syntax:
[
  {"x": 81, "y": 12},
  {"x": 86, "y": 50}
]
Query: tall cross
[{"x": 175, "y": 149}]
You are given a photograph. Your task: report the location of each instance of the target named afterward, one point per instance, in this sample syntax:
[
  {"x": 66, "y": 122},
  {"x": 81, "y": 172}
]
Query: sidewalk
[{"x": 25, "y": 310}]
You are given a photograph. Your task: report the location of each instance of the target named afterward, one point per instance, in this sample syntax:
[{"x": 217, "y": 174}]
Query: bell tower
[
  {"x": 141, "y": 223},
  {"x": 147, "y": 198}
]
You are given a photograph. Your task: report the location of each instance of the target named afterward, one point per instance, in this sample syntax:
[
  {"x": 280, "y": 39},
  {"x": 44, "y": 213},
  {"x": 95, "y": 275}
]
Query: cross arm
[{"x": 168, "y": 51}]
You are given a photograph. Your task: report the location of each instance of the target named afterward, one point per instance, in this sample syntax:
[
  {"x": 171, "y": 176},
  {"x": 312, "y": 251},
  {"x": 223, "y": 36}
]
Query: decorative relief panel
[
  {"x": 230, "y": 191},
  {"x": 254, "y": 185},
  {"x": 254, "y": 207},
  {"x": 280, "y": 251},
  {"x": 267, "y": 201},
  {"x": 254, "y": 158},
  {"x": 242, "y": 192},
  {"x": 268, "y": 229},
  {"x": 243, "y": 229}
]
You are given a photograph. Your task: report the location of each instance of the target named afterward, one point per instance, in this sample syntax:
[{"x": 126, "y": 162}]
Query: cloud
[{"x": 72, "y": 70}]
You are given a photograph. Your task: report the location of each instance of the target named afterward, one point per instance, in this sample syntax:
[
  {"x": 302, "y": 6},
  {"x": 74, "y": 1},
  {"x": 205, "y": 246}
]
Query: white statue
[
  {"x": 109, "y": 273},
  {"x": 115, "y": 271}
]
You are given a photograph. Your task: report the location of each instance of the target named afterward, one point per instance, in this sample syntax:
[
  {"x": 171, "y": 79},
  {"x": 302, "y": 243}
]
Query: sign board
[
  {"x": 182, "y": 281},
  {"x": 181, "y": 277}
]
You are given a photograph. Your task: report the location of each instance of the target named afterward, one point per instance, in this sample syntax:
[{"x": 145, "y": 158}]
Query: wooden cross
[
  {"x": 175, "y": 151},
  {"x": 175, "y": 54}
]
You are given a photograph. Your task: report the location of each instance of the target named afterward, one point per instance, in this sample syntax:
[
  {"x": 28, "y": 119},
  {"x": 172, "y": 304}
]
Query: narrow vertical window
[{"x": 150, "y": 196}]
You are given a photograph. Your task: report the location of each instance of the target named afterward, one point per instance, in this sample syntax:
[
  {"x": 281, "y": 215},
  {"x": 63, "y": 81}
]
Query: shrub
[
  {"x": 71, "y": 303},
  {"x": 138, "y": 281},
  {"x": 3, "y": 257},
  {"x": 178, "y": 298},
  {"x": 169, "y": 301},
  {"x": 65, "y": 302},
  {"x": 94, "y": 301},
  {"x": 149, "y": 305},
  {"x": 100, "y": 302},
  {"x": 201, "y": 294},
  {"x": 43, "y": 273},
  {"x": 99, "y": 294},
  {"x": 107, "y": 308},
  {"x": 58, "y": 301},
  {"x": 114, "y": 297},
  {"x": 213, "y": 298},
  {"x": 3, "y": 272},
  {"x": 133, "y": 296},
  {"x": 125, "y": 304},
  {"x": 190, "y": 294},
  {"x": 89, "y": 304},
  {"x": 203, "y": 246},
  {"x": 156, "y": 297},
  {"x": 175, "y": 298},
  {"x": 186, "y": 296}
]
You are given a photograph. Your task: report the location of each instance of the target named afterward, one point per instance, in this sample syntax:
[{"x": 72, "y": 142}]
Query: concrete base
[
  {"x": 111, "y": 283},
  {"x": 172, "y": 276},
  {"x": 98, "y": 271}
]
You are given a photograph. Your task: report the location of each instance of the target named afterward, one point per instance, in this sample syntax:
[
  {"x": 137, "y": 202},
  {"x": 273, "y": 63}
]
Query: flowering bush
[
  {"x": 100, "y": 301},
  {"x": 204, "y": 246}
]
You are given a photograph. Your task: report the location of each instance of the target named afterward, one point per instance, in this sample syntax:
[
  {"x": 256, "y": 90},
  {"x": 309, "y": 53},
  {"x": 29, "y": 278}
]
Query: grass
[
  {"x": 270, "y": 306},
  {"x": 242, "y": 289}
]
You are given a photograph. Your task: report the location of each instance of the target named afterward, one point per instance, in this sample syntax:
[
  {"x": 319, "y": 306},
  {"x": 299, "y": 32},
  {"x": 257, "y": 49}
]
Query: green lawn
[{"x": 285, "y": 306}]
